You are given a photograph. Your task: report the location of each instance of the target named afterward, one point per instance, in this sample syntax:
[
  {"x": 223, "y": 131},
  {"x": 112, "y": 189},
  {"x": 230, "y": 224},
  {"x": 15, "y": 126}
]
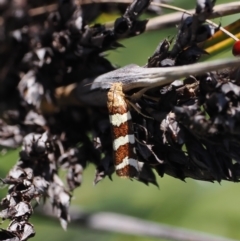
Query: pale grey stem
[
  {"x": 113, "y": 222},
  {"x": 90, "y": 91}
]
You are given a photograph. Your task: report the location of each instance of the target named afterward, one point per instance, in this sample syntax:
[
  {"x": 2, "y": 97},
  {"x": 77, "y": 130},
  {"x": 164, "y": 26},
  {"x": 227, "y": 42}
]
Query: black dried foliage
[{"x": 193, "y": 130}]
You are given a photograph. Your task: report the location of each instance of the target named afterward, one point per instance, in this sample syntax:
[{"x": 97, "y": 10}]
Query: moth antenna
[
  {"x": 138, "y": 109},
  {"x": 136, "y": 96}
]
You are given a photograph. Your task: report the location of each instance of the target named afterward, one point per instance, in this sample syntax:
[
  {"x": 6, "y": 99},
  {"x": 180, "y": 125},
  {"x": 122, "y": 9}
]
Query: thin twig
[
  {"x": 42, "y": 10},
  {"x": 155, "y": 23},
  {"x": 170, "y": 20},
  {"x": 113, "y": 222},
  {"x": 189, "y": 13}
]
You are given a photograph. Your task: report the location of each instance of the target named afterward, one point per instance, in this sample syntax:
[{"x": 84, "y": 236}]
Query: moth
[{"x": 124, "y": 152}]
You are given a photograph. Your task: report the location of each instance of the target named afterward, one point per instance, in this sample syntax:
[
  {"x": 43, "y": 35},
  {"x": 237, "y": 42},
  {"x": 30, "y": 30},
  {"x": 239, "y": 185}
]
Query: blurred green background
[{"x": 205, "y": 207}]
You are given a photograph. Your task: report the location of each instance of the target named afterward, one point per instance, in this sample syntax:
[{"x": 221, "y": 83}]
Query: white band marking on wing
[
  {"x": 118, "y": 119},
  {"x": 128, "y": 161},
  {"x": 122, "y": 140}
]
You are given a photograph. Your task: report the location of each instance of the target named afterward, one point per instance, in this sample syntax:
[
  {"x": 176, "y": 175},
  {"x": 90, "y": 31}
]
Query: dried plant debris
[{"x": 188, "y": 129}]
